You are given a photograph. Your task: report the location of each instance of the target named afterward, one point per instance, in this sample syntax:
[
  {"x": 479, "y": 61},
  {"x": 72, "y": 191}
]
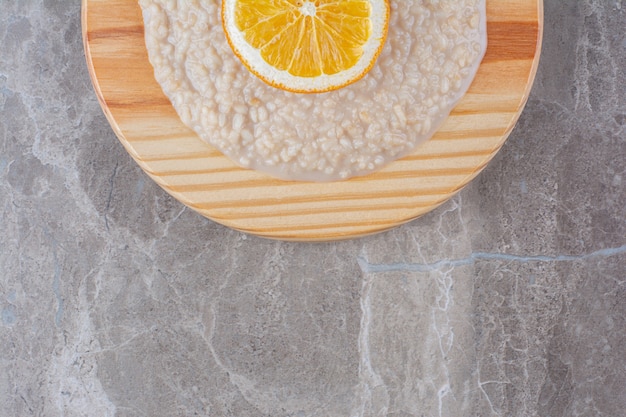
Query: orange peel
[{"x": 307, "y": 46}]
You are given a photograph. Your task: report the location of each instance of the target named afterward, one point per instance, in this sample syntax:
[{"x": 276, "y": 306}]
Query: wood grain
[{"x": 203, "y": 179}]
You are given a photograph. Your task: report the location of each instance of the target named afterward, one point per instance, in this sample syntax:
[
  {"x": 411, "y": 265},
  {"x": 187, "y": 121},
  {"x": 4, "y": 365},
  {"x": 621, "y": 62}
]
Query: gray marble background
[{"x": 509, "y": 300}]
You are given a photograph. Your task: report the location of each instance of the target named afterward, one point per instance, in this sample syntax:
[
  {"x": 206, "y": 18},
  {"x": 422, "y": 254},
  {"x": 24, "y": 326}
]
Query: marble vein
[
  {"x": 72, "y": 381},
  {"x": 485, "y": 256},
  {"x": 370, "y": 379},
  {"x": 110, "y": 196},
  {"x": 445, "y": 333},
  {"x": 56, "y": 279}
]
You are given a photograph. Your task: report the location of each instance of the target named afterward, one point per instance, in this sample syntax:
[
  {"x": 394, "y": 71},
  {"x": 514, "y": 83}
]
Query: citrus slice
[{"x": 306, "y": 46}]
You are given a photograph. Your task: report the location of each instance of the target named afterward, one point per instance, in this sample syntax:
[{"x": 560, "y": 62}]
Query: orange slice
[{"x": 306, "y": 46}]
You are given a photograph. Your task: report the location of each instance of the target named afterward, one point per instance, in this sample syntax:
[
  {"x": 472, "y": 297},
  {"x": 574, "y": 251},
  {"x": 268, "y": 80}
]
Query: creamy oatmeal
[{"x": 433, "y": 50}]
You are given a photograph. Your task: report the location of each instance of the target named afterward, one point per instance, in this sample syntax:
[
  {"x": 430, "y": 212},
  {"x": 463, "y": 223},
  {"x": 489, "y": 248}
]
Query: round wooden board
[{"x": 203, "y": 179}]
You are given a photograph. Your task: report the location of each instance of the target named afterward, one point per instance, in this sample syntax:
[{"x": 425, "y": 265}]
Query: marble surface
[{"x": 509, "y": 300}]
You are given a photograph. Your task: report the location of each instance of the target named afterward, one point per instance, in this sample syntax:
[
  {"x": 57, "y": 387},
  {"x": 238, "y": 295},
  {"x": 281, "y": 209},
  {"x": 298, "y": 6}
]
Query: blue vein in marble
[{"x": 476, "y": 256}]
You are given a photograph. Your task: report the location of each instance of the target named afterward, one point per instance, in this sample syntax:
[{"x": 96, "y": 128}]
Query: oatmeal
[{"x": 433, "y": 50}]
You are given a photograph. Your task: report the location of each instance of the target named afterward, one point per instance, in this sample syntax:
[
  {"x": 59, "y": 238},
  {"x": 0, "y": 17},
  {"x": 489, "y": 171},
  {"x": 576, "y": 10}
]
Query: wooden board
[{"x": 203, "y": 179}]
